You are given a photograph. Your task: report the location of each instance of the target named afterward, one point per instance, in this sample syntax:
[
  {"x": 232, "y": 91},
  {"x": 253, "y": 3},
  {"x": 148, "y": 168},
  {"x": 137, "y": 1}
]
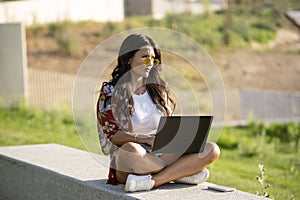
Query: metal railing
[{"x": 51, "y": 89}]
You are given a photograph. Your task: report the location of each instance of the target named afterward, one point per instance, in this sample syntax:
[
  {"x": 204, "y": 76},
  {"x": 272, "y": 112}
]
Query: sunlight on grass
[
  {"x": 22, "y": 125},
  {"x": 237, "y": 166}
]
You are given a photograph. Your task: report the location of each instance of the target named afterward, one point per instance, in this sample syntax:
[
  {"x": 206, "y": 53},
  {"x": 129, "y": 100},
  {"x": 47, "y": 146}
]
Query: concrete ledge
[{"x": 51, "y": 171}]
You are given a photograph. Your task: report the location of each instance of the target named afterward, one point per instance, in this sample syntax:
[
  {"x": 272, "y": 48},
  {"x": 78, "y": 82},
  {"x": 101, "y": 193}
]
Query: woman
[{"x": 128, "y": 111}]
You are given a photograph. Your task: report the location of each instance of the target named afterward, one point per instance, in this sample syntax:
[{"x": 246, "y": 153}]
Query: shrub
[
  {"x": 242, "y": 29},
  {"x": 57, "y": 29},
  {"x": 258, "y": 128},
  {"x": 109, "y": 28},
  {"x": 227, "y": 142},
  {"x": 283, "y": 132},
  {"x": 68, "y": 45},
  {"x": 248, "y": 148},
  {"x": 261, "y": 35}
]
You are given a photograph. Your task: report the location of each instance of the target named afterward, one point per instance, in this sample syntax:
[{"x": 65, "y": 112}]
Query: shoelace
[{"x": 144, "y": 183}]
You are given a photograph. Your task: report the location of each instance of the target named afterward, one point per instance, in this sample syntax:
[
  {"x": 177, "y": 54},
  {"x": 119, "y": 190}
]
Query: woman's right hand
[{"x": 145, "y": 139}]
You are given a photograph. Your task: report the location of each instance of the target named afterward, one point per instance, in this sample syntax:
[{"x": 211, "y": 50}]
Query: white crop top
[{"x": 145, "y": 116}]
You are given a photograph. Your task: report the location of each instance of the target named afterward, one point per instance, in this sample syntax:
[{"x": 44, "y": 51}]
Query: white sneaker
[
  {"x": 138, "y": 183},
  {"x": 194, "y": 179}
]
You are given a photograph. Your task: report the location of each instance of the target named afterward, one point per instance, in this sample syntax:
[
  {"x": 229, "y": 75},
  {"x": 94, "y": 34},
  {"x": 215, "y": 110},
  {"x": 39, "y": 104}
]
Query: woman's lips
[{"x": 148, "y": 69}]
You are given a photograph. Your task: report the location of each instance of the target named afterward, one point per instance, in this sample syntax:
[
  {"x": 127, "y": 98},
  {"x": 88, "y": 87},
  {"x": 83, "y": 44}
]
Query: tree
[{"x": 228, "y": 22}]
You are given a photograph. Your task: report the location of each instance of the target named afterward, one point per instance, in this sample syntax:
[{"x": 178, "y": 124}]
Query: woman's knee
[
  {"x": 127, "y": 156},
  {"x": 215, "y": 150},
  {"x": 131, "y": 147},
  {"x": 211, "y": 150}
]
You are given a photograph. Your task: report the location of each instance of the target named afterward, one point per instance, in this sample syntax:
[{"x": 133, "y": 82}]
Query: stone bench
[{"x": 51, "y": 171}]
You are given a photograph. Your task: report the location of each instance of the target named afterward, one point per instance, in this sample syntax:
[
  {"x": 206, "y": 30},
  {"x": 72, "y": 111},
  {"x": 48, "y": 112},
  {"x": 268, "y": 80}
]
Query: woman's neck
[{"x": 136, "y": 81}]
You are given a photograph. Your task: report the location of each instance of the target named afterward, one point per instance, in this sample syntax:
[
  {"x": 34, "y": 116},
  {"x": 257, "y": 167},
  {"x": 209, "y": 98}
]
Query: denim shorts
[{"x": 149, "y": 150}]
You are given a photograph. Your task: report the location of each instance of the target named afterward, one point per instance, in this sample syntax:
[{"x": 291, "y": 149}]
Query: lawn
[
  {"x": 241, "y": 150},
  {"x": 20, "y": 126}
]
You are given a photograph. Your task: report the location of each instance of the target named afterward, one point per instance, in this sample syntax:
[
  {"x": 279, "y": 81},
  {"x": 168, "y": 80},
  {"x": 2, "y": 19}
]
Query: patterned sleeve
[{"x": 107, "y": 125}]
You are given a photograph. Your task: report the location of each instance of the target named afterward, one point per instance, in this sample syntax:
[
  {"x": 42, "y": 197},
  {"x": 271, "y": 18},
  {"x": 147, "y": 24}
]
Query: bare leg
[
  {"x": 187, "y": 165},
  {"x": 133, "y": 159}
]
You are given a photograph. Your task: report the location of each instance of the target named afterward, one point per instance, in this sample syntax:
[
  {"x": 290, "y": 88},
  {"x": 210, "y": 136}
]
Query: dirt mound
[{"x": 273, "y": 66}]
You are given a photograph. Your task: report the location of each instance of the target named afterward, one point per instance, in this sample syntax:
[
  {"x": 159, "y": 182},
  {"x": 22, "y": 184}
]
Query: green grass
[
  {"x": 241, "y": 172},
  {"x": 21, "y": 125},
  {"x": 241, "y": 150},
  {"x": 238, "y": 166}
]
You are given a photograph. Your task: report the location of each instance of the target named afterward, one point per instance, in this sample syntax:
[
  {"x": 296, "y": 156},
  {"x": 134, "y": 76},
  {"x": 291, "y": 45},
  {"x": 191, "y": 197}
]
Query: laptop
[{"x": 182, "y": 134}]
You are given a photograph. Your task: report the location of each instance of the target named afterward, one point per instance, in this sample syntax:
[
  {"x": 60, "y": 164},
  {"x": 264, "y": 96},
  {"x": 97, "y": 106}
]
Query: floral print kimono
[{"x": 113, "y": 115}]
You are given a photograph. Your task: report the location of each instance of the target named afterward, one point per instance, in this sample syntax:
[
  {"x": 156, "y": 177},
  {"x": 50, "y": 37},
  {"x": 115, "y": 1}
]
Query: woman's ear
[{"x": 129, "y": 61}]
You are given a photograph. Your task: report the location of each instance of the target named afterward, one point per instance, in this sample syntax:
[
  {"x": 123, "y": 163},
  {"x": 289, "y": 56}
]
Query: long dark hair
[{"x": 156, "y": 86}]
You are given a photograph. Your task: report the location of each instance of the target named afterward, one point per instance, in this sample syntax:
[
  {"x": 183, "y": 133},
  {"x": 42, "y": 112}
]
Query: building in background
[
  {"x": 49, "y": 11},
  {"x": 160, "y": 8}
]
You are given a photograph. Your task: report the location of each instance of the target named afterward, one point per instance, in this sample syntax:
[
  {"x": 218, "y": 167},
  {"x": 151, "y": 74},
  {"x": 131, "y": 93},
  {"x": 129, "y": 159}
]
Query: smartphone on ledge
[{"x": 221, "y": 188}]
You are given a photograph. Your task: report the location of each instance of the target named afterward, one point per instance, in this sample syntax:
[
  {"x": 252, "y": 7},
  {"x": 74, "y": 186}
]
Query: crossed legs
[{"x": 132, "y": 158}]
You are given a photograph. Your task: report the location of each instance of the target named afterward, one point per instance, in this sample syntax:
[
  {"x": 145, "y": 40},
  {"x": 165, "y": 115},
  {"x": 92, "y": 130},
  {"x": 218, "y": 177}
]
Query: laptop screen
[{"x": 182, "y": 134}]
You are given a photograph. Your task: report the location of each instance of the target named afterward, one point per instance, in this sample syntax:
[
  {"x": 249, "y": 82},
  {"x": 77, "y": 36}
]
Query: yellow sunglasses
[{"x": 148, "y": 61}]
